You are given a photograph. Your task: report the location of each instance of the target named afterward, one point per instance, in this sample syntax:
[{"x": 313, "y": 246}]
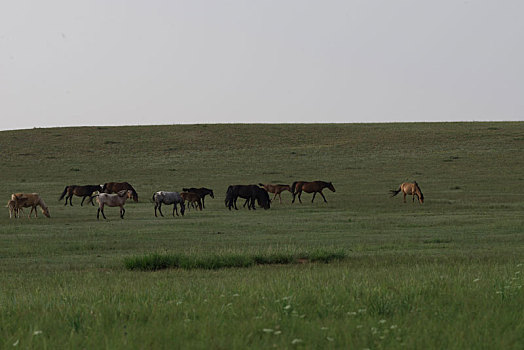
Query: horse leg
[
  {"x": 300, "y": 195},
  {"x": 203, "y": 202},
  {"x": 71, "y": 200},
  {"x": 314, "y": 194},
  {"x": 175, "y": 209},
  {"x": 160, "y": 209},
  {"x": 199, "y": 204},
  {"x": 122, "y": 211},
  {"x": 82, "y": 202},
  {"x": 404, "y": 197},
  {"x": 182, "y": 208}
]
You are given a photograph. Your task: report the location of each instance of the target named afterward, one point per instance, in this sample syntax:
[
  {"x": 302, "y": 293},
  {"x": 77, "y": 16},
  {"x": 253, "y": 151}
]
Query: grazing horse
[
  {"x": 411, "y": 188},
  {"x": 114, "y": 187},
  {"x": 112, "y": 200},
  {"x": 202, "y": 192},
  {"x": 315, "y": 186},
  {"x": 276, "y": 189},
  {"x": 162, "y": 197},
  {"x": 14, "y": 210},
  {"x": 32, "y": 200},
  {"x": 80, "y": 191},
  {"x": 250, "y": 193}
]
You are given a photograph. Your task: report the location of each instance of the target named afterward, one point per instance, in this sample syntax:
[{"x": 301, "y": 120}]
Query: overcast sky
[{"x": 109, "y": 62}]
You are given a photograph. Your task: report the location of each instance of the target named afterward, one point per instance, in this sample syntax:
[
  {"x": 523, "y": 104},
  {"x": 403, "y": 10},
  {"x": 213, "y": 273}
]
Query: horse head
[{"x": 331, "y": 187}]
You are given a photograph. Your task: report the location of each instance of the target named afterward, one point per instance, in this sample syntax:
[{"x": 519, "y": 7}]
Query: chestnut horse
[
  {"x": 315, "y": 186},
  {"x": 114, "y": 187},
  {"x": 411, "y": 188},
  {"x": 276, "y": 189},
  {"x": 80, "y": 191}
]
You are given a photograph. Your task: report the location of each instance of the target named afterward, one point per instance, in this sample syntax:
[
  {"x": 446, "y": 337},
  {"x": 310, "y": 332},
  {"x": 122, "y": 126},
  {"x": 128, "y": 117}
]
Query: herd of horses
[{"x": 115, "y": 194}]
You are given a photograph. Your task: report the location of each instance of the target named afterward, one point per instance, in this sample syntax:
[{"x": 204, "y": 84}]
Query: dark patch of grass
[
  {"x": 154, "y": 262},
  {"x": 109, "y": 142},
  {"x": 437, "y": 240}
]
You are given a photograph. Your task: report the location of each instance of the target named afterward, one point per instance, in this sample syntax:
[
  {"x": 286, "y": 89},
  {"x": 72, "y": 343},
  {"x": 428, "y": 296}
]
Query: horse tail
[
  {"x": 229, "y": 197},
  {"x": 293, "y": 186},
  {"x": 395, "y": 192},
  {"x": 63, "y": 193}
]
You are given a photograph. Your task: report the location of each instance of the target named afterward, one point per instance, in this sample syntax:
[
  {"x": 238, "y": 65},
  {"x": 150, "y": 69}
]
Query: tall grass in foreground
[{"x": 156, "y": 261}]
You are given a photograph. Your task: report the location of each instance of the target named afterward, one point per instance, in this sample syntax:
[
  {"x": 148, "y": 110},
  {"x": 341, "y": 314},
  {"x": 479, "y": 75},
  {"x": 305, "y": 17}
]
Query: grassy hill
[{"x": 444, "y": 274}]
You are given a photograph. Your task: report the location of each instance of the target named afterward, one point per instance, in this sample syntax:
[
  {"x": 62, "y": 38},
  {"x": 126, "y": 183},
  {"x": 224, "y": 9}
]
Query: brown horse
[
  {"x": 14, "y": 209},
  {"x": 30, "y": 200},
  {"x": 276, "y": 189},
  {"x": 115, "y": 187},
  {"x": 192, "y": 198},
  {"x": 315, "y": 186},
  {"x": 80, "y": 191},
  {"x": 411, "y": 188}
]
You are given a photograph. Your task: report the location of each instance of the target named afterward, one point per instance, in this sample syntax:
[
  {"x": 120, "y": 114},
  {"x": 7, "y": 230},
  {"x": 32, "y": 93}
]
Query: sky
[{"x": 137, "y": 62}]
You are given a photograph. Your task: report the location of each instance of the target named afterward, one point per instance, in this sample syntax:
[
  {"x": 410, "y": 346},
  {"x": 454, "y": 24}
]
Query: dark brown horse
[
  {"x": 80, "y": 191},
  {"x": 115, "y": 187},
  {"x": 310, "y": 187},
  {"x": 202, "y": 192},
  {"x": 409, "y": 188},
  {"x": 276, "y": 189},
  {"x": 192, "y": 198}
]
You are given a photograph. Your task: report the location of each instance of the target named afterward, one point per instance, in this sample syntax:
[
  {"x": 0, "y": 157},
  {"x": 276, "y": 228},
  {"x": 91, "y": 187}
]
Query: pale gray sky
[{"x": 129, "y": 62}]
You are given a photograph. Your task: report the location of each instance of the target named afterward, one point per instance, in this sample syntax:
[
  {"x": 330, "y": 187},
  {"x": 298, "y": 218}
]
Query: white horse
[
  {"x": 112, "y": 200},
  {"x": 162, "y": 197}
]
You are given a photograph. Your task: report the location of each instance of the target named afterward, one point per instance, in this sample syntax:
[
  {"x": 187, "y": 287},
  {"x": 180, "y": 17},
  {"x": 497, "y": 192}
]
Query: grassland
[{"x": 445, "y": 274}]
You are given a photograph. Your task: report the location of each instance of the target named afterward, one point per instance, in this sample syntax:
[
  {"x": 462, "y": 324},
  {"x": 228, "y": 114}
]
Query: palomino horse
[
  {"x": 409, "y": 188},
  {"x": 250, "y": 193},
  {"x": 32, "y": 200},
  {"x": 192, "y": 198},
  {"x": 162, "y": 197},
  {"x": 112, "y": 200},
  {"x": 114, "y": 187},
  {"x": 276, "y": 189},
  {"x": 315, "y": 186},
  {"x": 202, "y": 192},
  {"x": 80, "y": 191}
]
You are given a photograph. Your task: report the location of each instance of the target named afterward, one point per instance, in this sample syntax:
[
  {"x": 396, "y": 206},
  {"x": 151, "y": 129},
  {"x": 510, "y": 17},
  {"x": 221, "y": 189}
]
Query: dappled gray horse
[{"x": 162, "y": 197}]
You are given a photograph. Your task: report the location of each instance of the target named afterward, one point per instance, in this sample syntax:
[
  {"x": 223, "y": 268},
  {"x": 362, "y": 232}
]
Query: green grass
[
  {"x": 445, "y": 274},
  {"x": 153, "y": 262}
]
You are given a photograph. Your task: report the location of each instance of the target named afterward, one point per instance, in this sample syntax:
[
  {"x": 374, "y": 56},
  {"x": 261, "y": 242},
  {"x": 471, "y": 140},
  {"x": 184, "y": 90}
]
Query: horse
[
  {"x": 411, "y": 188},
  {"x": 26, "y": 200},
  {"x": 276, "y": 189},
  {"x": 114, "y": 187},
  {"x": 202, "y": 192},
  {"x": 250, "y": 193},
  {"x": 192, "y": 199},
  {"x": 112, "y": 200},
  {"x": 314, "y": 186},
  {"x": 14, "y": 210},
  {"x": 80, "y": 191},
  {"x": 162, "y": 197}
]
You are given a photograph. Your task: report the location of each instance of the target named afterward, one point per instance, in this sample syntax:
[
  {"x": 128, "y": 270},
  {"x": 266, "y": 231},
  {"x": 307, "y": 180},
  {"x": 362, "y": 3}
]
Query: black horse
[
  {"x": 80, "y": 191},
  {"x": 250, "y": 193},
  {"x": 202, "y": 193}
]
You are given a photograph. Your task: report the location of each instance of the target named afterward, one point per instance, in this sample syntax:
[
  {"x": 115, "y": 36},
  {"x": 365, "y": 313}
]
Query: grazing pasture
[{"x": 445, "y": 274}]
